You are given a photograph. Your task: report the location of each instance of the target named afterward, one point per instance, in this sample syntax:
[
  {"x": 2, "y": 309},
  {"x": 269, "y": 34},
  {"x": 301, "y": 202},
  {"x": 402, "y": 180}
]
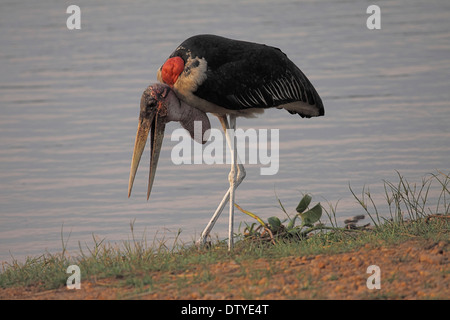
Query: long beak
[{"x": 145, "y": 124}]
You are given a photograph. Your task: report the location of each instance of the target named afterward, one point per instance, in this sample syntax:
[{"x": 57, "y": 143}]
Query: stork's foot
[{"x": 203, "y": 242}]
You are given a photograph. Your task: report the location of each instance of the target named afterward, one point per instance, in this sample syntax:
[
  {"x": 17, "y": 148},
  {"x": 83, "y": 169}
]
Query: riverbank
[{"x": 412, "y": 260}]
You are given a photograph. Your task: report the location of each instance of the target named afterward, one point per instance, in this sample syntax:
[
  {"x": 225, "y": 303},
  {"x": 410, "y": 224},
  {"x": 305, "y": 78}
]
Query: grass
[{"x": 413, "y": 212}]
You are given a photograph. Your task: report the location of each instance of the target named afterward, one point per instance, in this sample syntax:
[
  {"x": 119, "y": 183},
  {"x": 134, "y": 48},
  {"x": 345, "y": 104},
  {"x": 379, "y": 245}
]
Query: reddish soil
[{"x": 414, "y": 269}]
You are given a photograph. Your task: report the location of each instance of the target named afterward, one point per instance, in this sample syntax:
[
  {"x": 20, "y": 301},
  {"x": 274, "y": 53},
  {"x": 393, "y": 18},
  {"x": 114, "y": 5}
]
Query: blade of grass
[{"x": 254, "y": 216}]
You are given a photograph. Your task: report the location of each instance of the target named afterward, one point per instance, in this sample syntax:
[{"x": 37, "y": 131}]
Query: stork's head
[
  {"x": 152, "y": 116},
  {"x": 159, "y": 105}
]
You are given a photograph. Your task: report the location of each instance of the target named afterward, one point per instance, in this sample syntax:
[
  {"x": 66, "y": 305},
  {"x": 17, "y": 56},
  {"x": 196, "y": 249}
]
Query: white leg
[
  {"x": 240, "y": 177},
  {"x": 232, "y": 178}
]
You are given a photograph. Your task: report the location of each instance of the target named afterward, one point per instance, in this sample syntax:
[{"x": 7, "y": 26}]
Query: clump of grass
[
  {"x": 407, "y": 201},
  {"x": 130, "y": 258},
  {"x": 45, "y": 271}
]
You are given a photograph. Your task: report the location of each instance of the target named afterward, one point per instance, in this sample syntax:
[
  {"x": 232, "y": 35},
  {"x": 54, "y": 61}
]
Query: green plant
[{"x": 275, "y": 228}]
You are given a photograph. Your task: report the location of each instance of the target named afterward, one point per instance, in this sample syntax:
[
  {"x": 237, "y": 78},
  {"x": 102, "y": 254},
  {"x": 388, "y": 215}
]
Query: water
[{"x": 69, "y": 105}]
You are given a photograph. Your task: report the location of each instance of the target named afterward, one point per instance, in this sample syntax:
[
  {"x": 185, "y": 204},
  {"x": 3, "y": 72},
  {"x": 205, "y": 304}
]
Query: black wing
[{"x": 243, "y": 75}]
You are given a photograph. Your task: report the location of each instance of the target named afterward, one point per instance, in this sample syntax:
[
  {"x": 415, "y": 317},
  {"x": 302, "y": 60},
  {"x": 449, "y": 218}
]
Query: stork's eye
[{"x": 151, "y": 104}]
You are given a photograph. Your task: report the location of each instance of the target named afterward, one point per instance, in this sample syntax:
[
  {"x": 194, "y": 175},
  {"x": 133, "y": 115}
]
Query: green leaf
[
  {"x": 304, "y": 203},
  {"x": 275, "y": 223},
  {"x": 312, "y": 216}
]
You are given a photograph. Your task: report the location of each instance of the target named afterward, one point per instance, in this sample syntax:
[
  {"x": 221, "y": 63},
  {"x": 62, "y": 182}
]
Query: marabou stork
[{"x": 208, "y": 73}]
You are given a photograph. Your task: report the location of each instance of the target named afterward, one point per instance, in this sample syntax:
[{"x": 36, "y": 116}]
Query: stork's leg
[
  {"x": 240, "y": 177},
  {"x": 232, "y": 178}
]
